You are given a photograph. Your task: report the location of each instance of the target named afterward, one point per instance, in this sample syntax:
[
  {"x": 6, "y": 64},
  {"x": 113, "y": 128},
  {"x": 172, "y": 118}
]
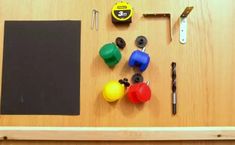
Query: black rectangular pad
[{"x": 41, "y": 68}]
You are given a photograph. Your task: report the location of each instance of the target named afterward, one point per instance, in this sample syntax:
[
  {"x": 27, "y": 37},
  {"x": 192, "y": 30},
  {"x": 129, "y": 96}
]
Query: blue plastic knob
[{"x": 139, "y": 59}]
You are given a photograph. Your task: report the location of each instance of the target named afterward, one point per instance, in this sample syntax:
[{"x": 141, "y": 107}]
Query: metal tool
[
  {"x": 174, "y": 96},
  {"x": 183, "y": 24},
  {"x": 160, "y": 15},
  {"x": 95, "y": 19},
  {"x": 122, "y": 13}
]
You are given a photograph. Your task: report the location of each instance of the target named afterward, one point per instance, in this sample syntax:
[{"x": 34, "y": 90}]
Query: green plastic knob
[{"x": 110, "y": 54}]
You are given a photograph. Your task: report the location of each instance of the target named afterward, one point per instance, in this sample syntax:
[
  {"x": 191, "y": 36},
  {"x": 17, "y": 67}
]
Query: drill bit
[{"x": 174, "y": 97}]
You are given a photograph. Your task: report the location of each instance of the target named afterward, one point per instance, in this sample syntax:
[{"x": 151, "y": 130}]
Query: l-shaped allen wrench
[{"x": 161, "y": 15}]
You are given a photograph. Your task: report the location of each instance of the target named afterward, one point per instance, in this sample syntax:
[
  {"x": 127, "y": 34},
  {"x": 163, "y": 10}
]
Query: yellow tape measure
[{"x": 122, "y": 12}]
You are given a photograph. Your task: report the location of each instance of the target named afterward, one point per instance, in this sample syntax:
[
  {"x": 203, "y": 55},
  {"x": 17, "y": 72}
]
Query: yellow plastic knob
[{"x": 113, "y": 91}]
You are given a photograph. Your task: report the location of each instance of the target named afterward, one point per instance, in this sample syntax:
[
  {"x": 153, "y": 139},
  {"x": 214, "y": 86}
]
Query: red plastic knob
[{"x": 139, "y": 92}]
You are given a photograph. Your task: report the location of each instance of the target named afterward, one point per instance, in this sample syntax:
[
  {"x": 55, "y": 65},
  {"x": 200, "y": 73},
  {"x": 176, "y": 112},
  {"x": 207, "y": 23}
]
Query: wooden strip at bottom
[{"x": 117, "y": 133}]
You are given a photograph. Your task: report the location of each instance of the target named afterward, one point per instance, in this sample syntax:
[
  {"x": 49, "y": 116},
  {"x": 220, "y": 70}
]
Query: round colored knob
[
  {"x": 110, "y": 54},
  {"x": 113, "y": 91},
  {"x": 139, "y": 59},
  {"x": 144, "y": 92},
  {"x": 139, "y": 92},
  {"x": 131, "y": 94}
]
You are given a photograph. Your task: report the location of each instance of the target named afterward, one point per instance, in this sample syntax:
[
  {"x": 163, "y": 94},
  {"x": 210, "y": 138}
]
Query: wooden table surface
[{"x": 205, "y": 64}]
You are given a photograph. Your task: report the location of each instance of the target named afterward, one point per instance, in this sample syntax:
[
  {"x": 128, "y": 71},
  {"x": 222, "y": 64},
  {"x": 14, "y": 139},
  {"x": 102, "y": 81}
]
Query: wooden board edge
[{"x": 117, "y": 133}]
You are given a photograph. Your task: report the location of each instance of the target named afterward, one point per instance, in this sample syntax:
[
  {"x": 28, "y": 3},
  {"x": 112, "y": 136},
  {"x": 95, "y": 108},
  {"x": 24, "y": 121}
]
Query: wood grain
[
  {"x": 117, "y": 133},
  {"x": 205, "y": 64},
  {"x": 117, "y": 143}
]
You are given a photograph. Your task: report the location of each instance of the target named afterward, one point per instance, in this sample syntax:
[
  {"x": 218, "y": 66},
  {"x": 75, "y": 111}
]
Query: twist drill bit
[{"x": 174, "y": 97}]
